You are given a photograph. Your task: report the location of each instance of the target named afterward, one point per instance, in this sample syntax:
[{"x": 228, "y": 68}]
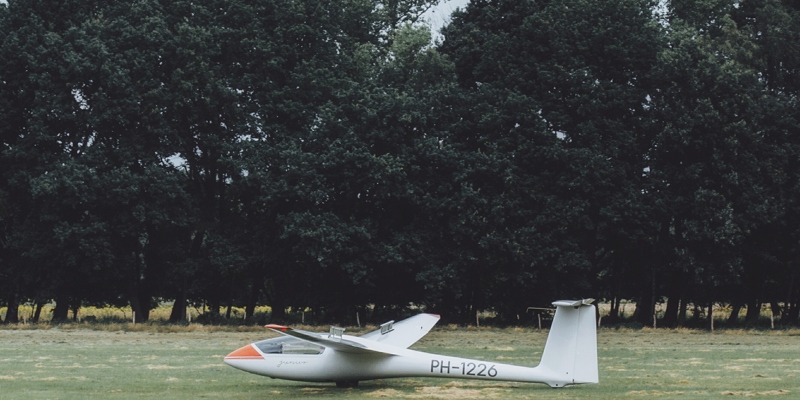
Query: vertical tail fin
[{"x": 570, "y": 353}]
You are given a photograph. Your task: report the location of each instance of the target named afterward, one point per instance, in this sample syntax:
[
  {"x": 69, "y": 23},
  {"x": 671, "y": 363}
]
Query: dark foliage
[{"x": 325, "y": 156}]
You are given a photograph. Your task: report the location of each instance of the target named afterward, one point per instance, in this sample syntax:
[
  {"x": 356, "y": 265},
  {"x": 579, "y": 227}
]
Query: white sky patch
[
  {"x": 439, "y": 16},
  {"x": 78, "y": 95},
  {"x": 178, "y": 161}
]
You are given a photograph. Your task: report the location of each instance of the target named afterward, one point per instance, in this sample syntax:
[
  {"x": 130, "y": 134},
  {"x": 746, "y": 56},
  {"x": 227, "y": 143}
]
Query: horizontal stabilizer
[{"x": 573, "y": 303}]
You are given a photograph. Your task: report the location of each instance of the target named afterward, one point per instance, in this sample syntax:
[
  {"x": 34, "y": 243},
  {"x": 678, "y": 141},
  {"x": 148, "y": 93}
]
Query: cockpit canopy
[{"x": 288, "y": 345}]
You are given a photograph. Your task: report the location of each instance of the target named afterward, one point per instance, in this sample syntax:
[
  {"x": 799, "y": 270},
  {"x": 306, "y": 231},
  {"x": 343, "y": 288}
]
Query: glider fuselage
[
  {"x": 569, "y": 357},
  {"x": 334, "y": 366}
]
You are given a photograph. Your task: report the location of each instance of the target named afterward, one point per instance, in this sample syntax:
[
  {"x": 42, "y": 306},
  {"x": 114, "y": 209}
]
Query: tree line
[{"x": 329, "y": 156}]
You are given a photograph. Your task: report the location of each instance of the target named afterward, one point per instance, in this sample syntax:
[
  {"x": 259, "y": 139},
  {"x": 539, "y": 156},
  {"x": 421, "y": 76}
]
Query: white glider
[{"x": 569, "y": 358}]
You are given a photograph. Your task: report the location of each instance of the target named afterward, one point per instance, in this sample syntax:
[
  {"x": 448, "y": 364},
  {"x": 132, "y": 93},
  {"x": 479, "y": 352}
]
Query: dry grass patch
[
  {"x": 445, "y": 392},
  {"x": 386, "y": 393},
  {"x": 748, "y": 393},
  {"x": 160, "y": 367},
  {"x": 653, "y": 393}
]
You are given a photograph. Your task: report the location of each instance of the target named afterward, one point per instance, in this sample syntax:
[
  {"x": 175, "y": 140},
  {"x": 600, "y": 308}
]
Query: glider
[{"x": 569, "y": 358}]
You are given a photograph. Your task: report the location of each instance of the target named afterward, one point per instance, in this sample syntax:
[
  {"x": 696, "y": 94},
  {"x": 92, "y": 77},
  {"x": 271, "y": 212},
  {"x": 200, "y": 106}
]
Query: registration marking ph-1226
[{"x": 464, "y": 368}]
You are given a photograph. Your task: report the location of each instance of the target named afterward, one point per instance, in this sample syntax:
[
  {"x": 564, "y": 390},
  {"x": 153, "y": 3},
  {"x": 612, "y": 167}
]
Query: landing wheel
[{"x": 346, "y": 384}]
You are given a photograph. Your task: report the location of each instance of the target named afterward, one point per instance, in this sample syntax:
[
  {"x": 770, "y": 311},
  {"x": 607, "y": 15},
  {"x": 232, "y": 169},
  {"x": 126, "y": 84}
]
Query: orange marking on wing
[{"x": 277, "y": 327}]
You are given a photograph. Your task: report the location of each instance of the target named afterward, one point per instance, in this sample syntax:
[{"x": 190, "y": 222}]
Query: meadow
[{"x": 145, "y": 361}]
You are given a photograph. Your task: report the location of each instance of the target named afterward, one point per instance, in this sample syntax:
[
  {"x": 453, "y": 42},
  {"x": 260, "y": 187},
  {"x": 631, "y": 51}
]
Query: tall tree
[
  {"x": 774, "y": 27},
  {"x": 584, "y": 70},
  {"x": 47, "y": 135},
  {"x": 715, "y": 167},
  {"x": 93, "y": 178}
]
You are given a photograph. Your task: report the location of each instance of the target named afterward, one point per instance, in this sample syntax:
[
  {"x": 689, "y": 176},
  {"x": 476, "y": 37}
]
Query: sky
[{"x": 439, "y": 16}]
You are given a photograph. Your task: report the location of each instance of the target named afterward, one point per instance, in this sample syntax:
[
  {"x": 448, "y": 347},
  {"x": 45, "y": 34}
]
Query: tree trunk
[
  {"x": 644, "y": 311},
  {"x": 139, "y": 301},
  {"x": 793, "y": 315},
  {"x": 278, "y": 311},
  {"x": 142, "y": 309},
  {"x": 711, "y": 315},
  {"x": 213, "y": 308},
  {"x": 671, "y": 314},
  {"x": 250, "y": 307},
  {"x": 38, "y": 312},
  {"x": 178, "y": 312},
  {"x": 179, "y": 307},
  {"x": 753, "y": 311},
  {"x": 775, "y": 308},
  {"x": 12, "y": 315},
  {"x": 696, "y": 313},
  {"x": 61, "y": 311},
  {"x": 75, "y": 307},
  {"x": 733, "y": 319},
  {"x": 645, "y": 307},
  {"x": 613, "y": 313},
  {"x": 682, "y": 313},
  {"x": 790, "y": 309}
]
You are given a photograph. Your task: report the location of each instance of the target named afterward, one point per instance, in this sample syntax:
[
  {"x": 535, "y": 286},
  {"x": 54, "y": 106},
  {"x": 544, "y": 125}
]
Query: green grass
[{"x": 79, "y": 363}]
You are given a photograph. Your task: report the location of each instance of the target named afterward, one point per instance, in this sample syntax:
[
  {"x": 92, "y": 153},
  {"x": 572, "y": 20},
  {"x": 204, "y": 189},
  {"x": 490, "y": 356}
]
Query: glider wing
[
  {"x": 343, "y": 343},
  {"x": 404, "y": 333}
]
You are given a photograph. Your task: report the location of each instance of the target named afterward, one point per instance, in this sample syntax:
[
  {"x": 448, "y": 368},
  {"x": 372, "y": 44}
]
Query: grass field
[{"x": 74, "y": 362}]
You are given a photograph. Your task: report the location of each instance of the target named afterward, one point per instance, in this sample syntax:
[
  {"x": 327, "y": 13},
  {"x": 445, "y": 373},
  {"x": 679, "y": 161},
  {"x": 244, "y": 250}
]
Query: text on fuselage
[{"x": 463, "y": 368}]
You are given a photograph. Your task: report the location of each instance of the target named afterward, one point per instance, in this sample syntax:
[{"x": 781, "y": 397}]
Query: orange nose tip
[{"x": 244, "y": 353}]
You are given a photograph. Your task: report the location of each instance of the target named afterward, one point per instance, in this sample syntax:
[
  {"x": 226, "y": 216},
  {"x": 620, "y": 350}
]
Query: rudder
[{"x": 570, "y": 353}]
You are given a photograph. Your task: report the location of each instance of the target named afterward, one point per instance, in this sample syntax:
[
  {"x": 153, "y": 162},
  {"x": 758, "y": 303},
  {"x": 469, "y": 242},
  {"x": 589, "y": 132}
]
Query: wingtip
[{"x": 277, "y": 327}]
